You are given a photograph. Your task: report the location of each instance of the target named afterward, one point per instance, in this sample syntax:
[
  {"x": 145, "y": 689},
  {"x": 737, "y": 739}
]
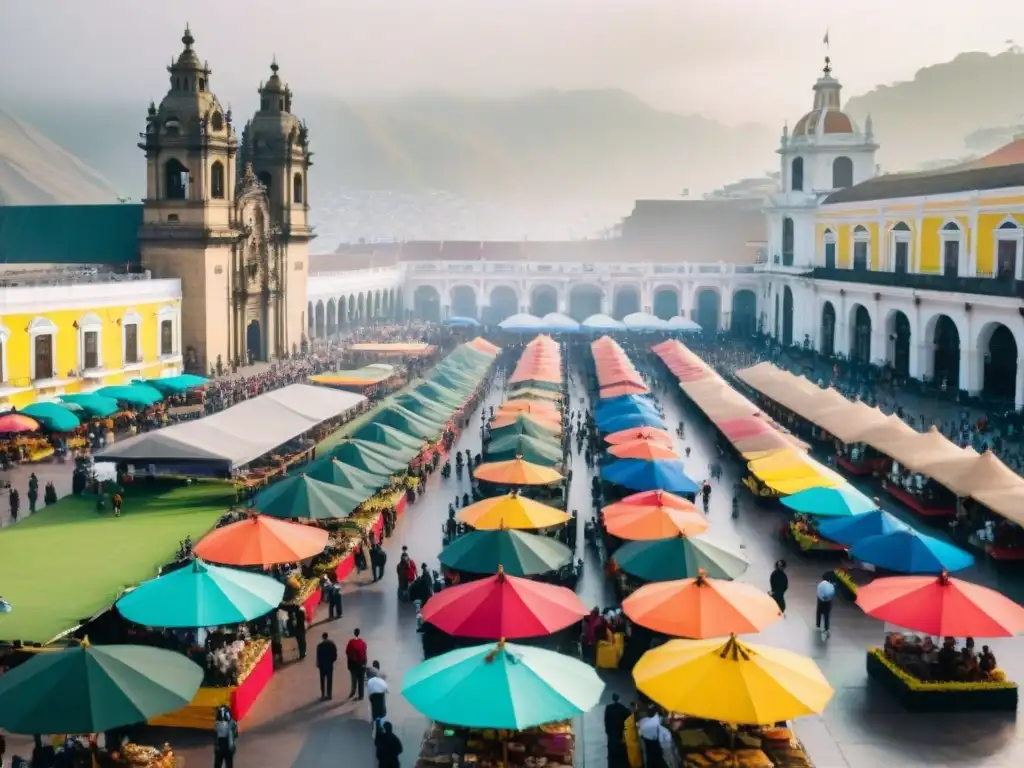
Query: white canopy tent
[{"x": 233, "y": 438}]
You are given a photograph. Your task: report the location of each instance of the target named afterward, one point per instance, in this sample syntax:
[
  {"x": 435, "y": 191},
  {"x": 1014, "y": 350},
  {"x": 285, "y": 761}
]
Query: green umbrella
[
  {"x": 524, "y": 425},
  {"x": 534, "y": 449},
  {"x": 167, "y": 386},
  {"x": 447, "y": 381},
  {"x": 90, "y": 689},
  {"x": 361, "y": 455},
  {"x": 679, "y": 558},
  {"x": 136, "y": 395},
  {"x": 516, "y": 552},
  {"x": 94, "y": 405},
  {"x": 332, "y": 471},
  {"x": 423, "y": 406},
  {"x": 408, "y": 422},
  {"x": 439, "y": 394},
  {"x": 382, "y": 434},
  {"x": 52, "y": 416},
  {"x": 302, "y": 496}
]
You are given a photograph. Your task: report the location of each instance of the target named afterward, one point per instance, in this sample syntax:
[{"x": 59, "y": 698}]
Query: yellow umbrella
[
  {"x": 732, "y": 682},
  {"x": 511, "y": 511},
  {"x": 516, "y": 471}
]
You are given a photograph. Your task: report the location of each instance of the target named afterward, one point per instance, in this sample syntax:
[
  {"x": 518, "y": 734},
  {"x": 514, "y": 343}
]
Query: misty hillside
[
  {"x": 36, "y": 171},
  {"x": 962, "y": 106}
]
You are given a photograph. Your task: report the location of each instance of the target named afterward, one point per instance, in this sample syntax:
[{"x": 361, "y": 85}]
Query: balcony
[{"x": 982, "y": 286}]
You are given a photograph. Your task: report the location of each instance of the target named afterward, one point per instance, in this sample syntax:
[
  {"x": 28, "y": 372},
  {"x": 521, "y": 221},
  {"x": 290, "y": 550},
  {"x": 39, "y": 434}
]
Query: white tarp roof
[{"x": 240, "y": 434}]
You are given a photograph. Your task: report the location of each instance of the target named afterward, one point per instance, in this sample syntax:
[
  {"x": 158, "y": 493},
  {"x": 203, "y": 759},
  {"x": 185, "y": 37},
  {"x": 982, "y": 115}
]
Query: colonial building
[{"x": 236, "y": 237}]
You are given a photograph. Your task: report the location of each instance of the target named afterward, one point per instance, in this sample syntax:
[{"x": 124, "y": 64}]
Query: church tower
[
  {"x": 276, "y": 144},
  {"x": 188, "y": 229}
]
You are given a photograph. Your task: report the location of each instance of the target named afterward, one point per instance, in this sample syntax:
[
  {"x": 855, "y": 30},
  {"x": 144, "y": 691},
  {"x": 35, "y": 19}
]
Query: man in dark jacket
[
  {"x": 615, "y": 716},
  {"x": 779, "y": 583},
  {"x": 326, "y": 656},
  {"x": 389, "y": 748}
]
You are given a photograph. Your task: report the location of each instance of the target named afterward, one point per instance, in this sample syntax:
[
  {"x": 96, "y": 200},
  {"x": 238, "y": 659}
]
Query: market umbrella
[
  {"x": 644, "y": 450},
  {"x": 201, "y": 595},
  {"x": 524, "y": 423},
  {"x": 519, "y": 553},
  {"x": 382, "y": 434},
  {"x": 503, "y": 606},
  {"x": 345, "y": 475},
  {"x": 528, "y": 406},
  {"x": 360, "y": 454},
  {"x": 655, "y": 498},
  {"x": 504, "y": 686},
  {"x": 262, "y": 540},
  {"x": 682, "y": 557},
  {"x": 701, "y": 607},
  {"x": 137, "y": 395},
  {"x": 645, "y": 408},
  {"x": 617, "y": 390},
  {"x": 631, "y": 421},
  {"x": 850, "y": 530},
  {"x": 13, "y": 423},
  {"x": 941, "y": 606},
  {"x": 732, "y": 682},
  {"x": 462, "y": 322},
  {"x": 642, "y": 522},
  {"x": 841, "y": 501},
  {"x": 94, "y": 405},
  {"x": 303, "y": 497},
  {"x": 640, "y": 475},
  {"x": 639, "y": 433},
  {"x": 516, "y": 472},
  {"x": 512, "y": 511},
  {"x": 538, "y": 394},
  {"x": 907, "y": 551},
  {"x": 95, "y": 688},
  {"x": 52, "y": 416},
  {"x": 534, "y": 450}
]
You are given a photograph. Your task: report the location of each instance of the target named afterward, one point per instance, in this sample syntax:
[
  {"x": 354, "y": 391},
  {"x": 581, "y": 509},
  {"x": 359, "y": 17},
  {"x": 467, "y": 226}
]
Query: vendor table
[{"x": 310, "y": 604}]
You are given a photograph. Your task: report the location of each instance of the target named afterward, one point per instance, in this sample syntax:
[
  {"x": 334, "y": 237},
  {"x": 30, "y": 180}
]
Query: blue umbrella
[
  {"x": 465, "y": 322},
  {"x": 639, "y": 475},
  {"x": 630, "y": 421},
  {"x": 907, "y": 551},
  {"x": 830, "y": 502},
  {"x": 626, "y": 409},
  {"x": 850, "y": 530},
  {"x": 625, "y": 404}
]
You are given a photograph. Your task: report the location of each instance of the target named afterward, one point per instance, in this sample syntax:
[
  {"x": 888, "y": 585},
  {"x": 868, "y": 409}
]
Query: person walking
[
  {"x": 299, "y": 617},
  {"x": 225, "y": 736},
  {"x": 116, "y": 501},
  {"x": 378, "y": 559},
  {"x": 334, "y": 606},
  {"x": 826, "y": 593},
  {"x": 615, "y": 716},
  {"x": 355, "y": 657},
  {"x": 388, "y": 747},
  {"x": 779, "y": 583},
  {"x": 377, "y": 690},
  {"x": 326, "y": 656}
]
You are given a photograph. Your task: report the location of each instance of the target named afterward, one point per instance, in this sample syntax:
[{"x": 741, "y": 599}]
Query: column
[
  {"x": 970, "y": 373},
  {"x": 880, "y": 346},
  {"x": 915, "y": 359},
  {"x": 1018, "y": 396}
]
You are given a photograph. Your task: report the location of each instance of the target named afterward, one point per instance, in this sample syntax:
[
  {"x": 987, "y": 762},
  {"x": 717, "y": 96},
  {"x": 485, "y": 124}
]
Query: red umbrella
[
  {"x": 502, "y": 606},
  {"x": 13, "y": 423},
  {"x": 941, "y": 606},
  {"x": 653, "y": 499}
]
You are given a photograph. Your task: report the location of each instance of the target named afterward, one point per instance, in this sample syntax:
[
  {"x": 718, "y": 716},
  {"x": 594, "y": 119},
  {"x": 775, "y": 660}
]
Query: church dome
[
  {"x": 274, "y": 120},
  {"x": 826, "y": 117},
  {"x": 189, "y": 107}
]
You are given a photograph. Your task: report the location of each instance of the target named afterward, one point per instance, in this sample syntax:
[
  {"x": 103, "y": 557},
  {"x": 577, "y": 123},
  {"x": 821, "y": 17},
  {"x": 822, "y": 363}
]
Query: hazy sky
[{"x": 736, "y": 60}]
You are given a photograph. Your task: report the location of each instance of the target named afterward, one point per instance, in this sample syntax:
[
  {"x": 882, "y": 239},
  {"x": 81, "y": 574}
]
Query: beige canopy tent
[
  {"x": 846, "y": 423},
  {"x": 1007, "y": 502},
  {"x": 919, "y": 450},
  {"x": 888, "y": 429},
  {"x": 971, "y": 473}
]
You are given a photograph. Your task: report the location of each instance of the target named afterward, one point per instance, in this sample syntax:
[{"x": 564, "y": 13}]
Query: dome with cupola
[{"x": 827, "y": 116}]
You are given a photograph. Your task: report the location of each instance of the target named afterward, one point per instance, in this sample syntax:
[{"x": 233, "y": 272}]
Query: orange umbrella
[
  {"x": 701, "y": 608},
  {"x": 646, "y": 450},
  {"x": 527, "y": 406},
  {"x": 655, "y": 499},
  {"x": 618, "y": 390},
  {"x": 516, "y": 471},
  {"x": 640, "y": 522},
  {"x": 640, "y": 433},
  {"x": 262, "y": 540}
]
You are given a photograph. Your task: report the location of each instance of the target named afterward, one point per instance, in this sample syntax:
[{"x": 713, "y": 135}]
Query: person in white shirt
[
  {"x": 649, "y": 729},
  {"x": 826, "y": 594},
  {"x": 377, "y": 689}
]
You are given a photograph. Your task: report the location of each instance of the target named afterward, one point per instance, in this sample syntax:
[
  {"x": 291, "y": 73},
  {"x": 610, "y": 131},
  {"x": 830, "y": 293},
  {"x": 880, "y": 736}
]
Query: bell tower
[
  {"x": 276, "y": 143},
  {"x": 188, "y": 229}
]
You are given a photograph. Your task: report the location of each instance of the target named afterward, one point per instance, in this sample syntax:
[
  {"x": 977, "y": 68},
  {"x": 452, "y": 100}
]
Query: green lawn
[{"x": 68, "y": 562}]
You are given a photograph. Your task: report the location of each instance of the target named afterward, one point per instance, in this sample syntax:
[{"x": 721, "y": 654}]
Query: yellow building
[{"x": 72, "y": 335}]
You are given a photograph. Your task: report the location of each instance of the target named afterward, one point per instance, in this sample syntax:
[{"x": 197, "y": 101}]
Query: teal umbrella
[
  {"x": 335, "y": 472},
  {"x": 168, "y": 386},
  {"x": 362, "y": 455},
  {"x": 517, "y": 553},
  {"x": 505, "y": 686},
  {"x": 136, "y": 395},
  {"x": 95, "y": 688},
  {"x": 94, "y": 405},
  {"x": 202, "y": 595},
  {"x": 52, "y": 416},
  {"x": 302, "y": 496},
  {"x": 843, "y": 501},
  {"x": 683, "y": 557}
]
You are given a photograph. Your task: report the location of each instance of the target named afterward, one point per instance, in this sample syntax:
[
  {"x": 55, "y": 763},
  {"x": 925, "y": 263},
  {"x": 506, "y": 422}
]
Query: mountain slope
[{"x": 36, "y": 171}]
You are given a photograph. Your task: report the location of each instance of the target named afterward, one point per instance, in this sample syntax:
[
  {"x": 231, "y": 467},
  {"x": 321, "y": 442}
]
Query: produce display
[
  {"x": 243, "y": 656},
  {"x": 147, "y": 757},
  {"x": 702, "y": 744},
  {"x": 548, "y": 746}
]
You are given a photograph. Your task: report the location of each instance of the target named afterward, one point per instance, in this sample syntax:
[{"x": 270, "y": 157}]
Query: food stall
[{"x": 550, "y": 746}]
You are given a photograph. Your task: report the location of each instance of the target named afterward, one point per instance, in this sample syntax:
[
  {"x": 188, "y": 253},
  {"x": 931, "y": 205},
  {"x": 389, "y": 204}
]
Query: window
[
  {"x": 166, "y": 337},
  {"x": 91, "y": 349},
  {"x": 901, "y": 249},
  {"x": 796, "y": 175},
  {"x": 951, "y": 237},
  {"x": 830, "y": 249},
  {"x": 297, "y": 188},
  {"x": 217, "y": 181},
  {"x": 787, "y": 241},
  {"x": 217, "y": 121},
  {"x": 43, "y": 356},
  {"x": 842, "y": 173},
  {"x": 1008, "y": 250},
  {"x": 131, "y": 343},
  {"x": 265, "y": 179},
  {"x": 861, "y": 255},
  {"x": 175, "y": 180}
]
